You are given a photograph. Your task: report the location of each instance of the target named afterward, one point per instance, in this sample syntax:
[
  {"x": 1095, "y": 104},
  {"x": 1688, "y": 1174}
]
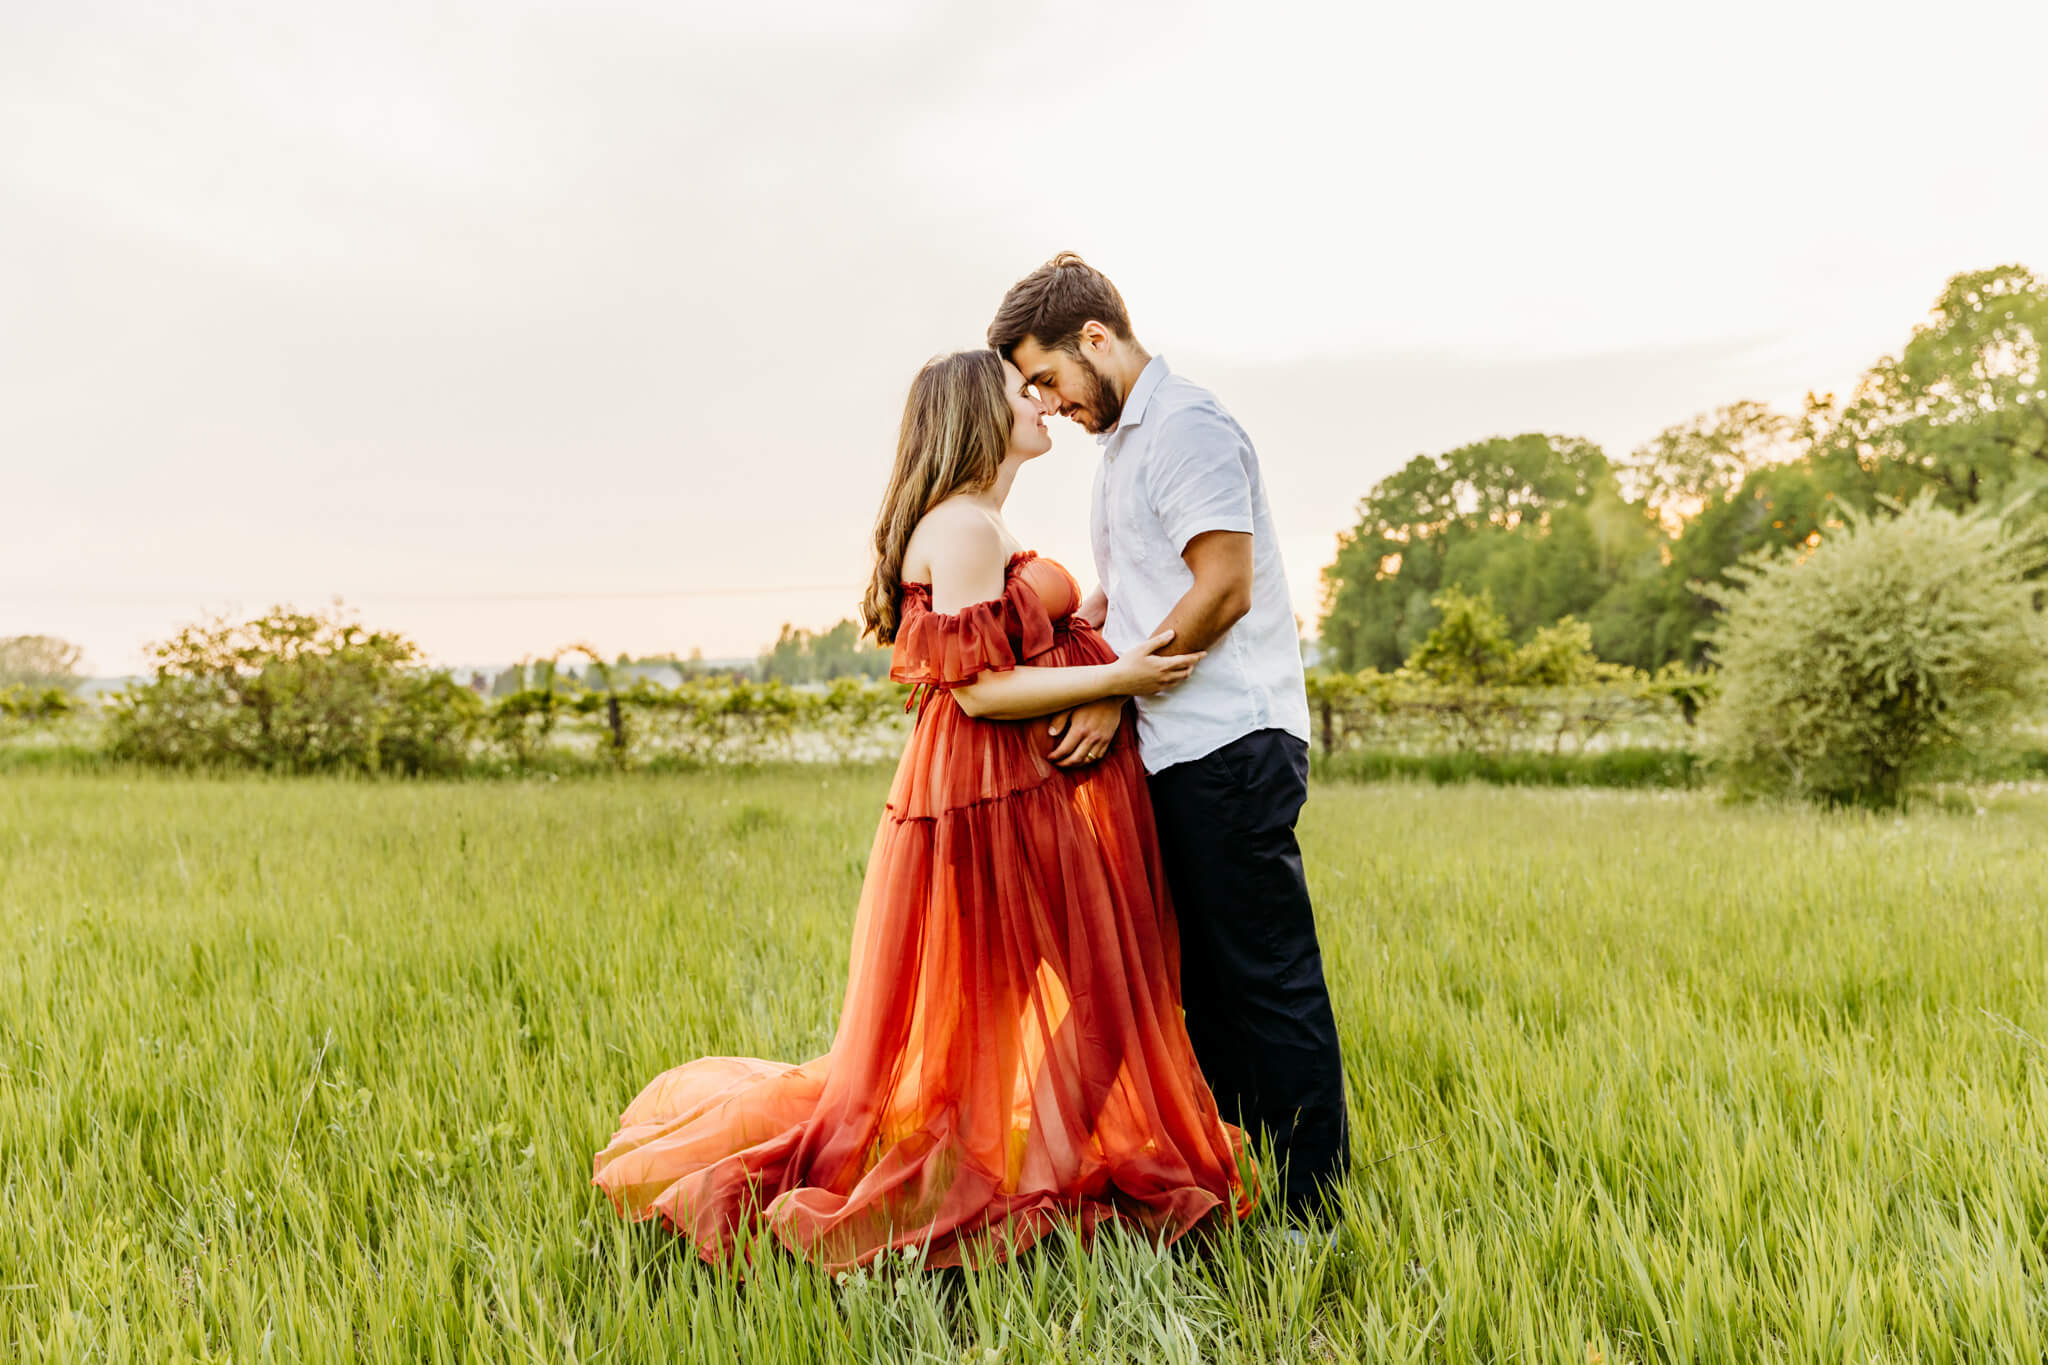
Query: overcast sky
[{"x": 513, "y": 323}]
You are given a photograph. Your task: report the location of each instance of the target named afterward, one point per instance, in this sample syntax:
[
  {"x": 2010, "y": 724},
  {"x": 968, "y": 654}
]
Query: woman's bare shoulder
[
  {"x": 962, "y": 552},
  {"x": 955, "y": 534}
]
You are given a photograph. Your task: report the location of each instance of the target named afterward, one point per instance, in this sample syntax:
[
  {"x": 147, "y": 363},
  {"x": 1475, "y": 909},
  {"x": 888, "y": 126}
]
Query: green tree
[
  {"x": 1535, "y": 519},
  {"x": 1864, "y": 664},
  {"x": 1564, "y": 565},
  {"x": 40, "y": 662},
  {"x": 1659, "y": 617},
  {"x": 1703, "y": 462},
  {"x": 1962, "y": 410}
]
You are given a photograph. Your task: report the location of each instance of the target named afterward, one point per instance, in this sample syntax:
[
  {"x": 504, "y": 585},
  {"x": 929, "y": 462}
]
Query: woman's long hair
[{"x": 956, "y": 431}]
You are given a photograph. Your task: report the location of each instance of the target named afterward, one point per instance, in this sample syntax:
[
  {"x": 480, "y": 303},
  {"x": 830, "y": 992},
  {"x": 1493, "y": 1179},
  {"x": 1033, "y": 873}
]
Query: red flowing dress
[{"x": 1011, "y": 1052}]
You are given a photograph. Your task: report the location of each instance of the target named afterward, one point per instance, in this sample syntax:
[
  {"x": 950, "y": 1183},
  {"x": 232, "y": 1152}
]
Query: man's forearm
[
  {"x": 1221, "y": 562},
  {"x": 1201, "y": 618}
]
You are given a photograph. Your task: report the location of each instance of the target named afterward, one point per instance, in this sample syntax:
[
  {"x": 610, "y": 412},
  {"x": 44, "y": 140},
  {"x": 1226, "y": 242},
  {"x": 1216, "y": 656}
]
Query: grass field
[{"x": 313, "y": 1070}]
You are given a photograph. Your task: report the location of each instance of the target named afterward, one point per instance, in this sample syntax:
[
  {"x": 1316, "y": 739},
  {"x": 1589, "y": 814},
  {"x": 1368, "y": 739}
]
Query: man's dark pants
[{"x": 1251, "y": 969}]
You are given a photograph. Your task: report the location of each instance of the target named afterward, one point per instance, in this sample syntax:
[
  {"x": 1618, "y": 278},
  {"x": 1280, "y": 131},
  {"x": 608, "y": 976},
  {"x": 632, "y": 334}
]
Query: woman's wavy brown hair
[{"x": 955, "y": 433}]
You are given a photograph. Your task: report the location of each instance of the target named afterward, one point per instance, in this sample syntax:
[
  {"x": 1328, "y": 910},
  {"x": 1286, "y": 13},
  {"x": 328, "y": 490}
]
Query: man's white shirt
[{"x": 1176, "y": 465}]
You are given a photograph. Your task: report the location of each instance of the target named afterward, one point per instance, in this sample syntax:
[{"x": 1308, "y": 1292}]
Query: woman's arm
[
  {"x": 1026, "y": 691},
  {"x": 967, "y": 561}
]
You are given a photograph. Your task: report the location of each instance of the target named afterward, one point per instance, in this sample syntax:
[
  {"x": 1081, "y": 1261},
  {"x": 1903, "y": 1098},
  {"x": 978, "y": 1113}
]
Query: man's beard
[{"x": 1105, "y": 406}]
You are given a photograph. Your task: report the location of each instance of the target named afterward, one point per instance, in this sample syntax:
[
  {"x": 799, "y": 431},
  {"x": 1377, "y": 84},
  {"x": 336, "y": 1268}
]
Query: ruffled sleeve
[{"x": 950, "y": 650}]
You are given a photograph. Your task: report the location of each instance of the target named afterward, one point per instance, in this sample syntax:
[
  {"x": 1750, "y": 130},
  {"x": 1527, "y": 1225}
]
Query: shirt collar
[{"x": 1149, "y": 380}]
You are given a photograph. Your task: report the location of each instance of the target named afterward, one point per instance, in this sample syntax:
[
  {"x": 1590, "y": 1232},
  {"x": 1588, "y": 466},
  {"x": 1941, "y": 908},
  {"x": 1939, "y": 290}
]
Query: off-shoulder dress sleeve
[{"x": 953, "y": 649}]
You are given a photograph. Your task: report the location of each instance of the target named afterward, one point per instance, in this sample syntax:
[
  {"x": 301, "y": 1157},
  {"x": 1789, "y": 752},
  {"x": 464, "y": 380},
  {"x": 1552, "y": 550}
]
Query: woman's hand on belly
[{"x": 1088, "y": 733}]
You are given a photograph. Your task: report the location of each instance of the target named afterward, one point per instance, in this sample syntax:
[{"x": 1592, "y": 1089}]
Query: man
[{"x": 1184, "y": 540}]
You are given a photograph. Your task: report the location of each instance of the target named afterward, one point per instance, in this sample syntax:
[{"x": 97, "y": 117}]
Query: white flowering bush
[{"x": 1875, "y": 658}]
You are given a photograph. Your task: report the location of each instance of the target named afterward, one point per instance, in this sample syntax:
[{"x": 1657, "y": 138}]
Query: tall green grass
[{"x": 313, "y": 1070}]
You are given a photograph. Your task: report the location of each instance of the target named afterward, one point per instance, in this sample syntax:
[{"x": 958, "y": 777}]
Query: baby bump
[
  {"x": 1071, "y": 649},
  {"x": 954, "y": 760}
]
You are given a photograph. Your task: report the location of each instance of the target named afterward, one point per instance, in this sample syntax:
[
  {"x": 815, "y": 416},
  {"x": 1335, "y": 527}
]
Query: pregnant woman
[{"x": 1011, "y": 1052}]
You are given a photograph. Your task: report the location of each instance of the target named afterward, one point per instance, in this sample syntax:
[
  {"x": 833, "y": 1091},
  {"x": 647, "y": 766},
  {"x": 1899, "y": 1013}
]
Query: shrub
[
  {"x": 28, "y": 707},
  {"x": 1470, "y": 647},
  {"x": 1876, "y": 657},
  {"x": 295, "y": 693}
]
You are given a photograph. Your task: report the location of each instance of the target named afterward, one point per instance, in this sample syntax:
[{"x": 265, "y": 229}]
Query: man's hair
[{"x": 1054, "y": 302}]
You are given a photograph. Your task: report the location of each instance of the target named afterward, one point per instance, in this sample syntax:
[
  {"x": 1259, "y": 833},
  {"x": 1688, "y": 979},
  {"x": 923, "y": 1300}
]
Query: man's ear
[{"x": 1096, "y": 335}]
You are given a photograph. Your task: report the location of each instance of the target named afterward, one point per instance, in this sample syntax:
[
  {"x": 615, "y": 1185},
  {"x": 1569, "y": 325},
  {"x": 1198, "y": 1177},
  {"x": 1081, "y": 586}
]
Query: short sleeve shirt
[{"x": 1177, "y": 465}]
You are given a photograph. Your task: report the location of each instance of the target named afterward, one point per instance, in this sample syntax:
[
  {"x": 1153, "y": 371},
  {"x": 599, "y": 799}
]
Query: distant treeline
[{"x": 797, "y": 657}]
